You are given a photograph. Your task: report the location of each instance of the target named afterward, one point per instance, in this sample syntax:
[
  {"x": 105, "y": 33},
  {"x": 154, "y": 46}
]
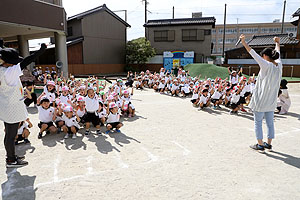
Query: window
[
  {"x": 70, "y": 31},
  {"x": 230, "y": 40},
  {"x": 207, "y": 32},
  {"x": 220, "y": 31},
  {"x": 230, "y": 31},
  {"x": 164, "y": 36},
  {"x": 248, "y": 30},
  {"x": 160, "y": 36},
  {"x": 213, "y": 40},
  {"x": 220, "y": 41},
  {"x": 189, "y": 34},
  {"x": 213, "y": 31},
  {"x": 270, "y": 30}
]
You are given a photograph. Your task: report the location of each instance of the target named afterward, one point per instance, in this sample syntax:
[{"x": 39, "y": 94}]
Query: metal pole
[
  {"x": 282, "y": 24},
  {"x": 173, "y": 12},
  {"x": 292, "y": 72},
  {"x": 145, "y": 17},
  {"x": 223, "y": 54}
]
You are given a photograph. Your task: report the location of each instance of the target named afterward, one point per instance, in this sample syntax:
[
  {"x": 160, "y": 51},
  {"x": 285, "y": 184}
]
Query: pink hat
[
  {"x": 80, "y": 99},
  {"x": 68, "y": 109},
  {"x": 51, "y": 83},
  {"x": 114, "y": 94},
  {"x": 126, "y": 92},
  {"x": 65, "y": 88},
  {"x": 243, "y": 78},
  {"x": 112, "y": 105},
  {"x": 110, "y": 97},
  {"x": 58, "y": 101}
]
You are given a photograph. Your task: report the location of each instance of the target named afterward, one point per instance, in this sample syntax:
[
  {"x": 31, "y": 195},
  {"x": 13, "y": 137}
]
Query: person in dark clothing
[
  {"x": 30, "y": 96},
  {"x": 130, "y": 79}
]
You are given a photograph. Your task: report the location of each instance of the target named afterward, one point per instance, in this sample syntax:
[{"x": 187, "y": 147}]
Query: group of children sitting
[
  {"x": 203, "y": 93},
  {"x": 68, "y": 105}
]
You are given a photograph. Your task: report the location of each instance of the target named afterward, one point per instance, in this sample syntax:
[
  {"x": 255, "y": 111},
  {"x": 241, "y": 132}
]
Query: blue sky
[{"x": 248, "y": 11}]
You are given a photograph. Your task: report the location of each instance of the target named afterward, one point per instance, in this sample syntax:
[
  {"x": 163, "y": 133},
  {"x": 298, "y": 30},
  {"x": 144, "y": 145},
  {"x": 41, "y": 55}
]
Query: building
[
  {"x": 24, "y": 20},
  {"x": 289, "y": 51},
  {"x": 186, "y": 34},
  {"x": 233, "y": 31}
]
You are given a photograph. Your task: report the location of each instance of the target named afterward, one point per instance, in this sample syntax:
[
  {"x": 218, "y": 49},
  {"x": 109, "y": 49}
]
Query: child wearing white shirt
[
  {"x": 113, "y": 118},
  {"x": 47, "y": 115},
  {"x": 71, "y": 122},
  {"x": 23, "y": 132}
]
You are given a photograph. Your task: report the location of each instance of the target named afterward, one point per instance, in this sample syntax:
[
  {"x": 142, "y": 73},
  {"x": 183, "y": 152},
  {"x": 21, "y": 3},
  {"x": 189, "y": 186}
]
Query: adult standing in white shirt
[
  {"x": 264, "y": 99},
  {"x": 13, "y": 110}
]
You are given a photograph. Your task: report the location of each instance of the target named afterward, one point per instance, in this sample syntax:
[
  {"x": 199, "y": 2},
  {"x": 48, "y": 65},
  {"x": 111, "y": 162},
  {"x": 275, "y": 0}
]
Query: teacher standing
[
  {"x": 12, "y": 107},
  {"x": 264, "y": 98}
]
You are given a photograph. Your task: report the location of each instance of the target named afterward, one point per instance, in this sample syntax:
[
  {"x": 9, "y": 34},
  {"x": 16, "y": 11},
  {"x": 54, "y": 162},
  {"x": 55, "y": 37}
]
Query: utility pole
[
  {"x": 146, "y": 2},
  {"x": 173, "y": 12},
  {"x": 223, "y": 53},
  {"x": 282, "y": 25}
]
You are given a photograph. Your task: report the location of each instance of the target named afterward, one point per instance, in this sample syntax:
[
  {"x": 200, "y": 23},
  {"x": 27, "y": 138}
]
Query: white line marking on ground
[
  {"x": 120, "y": 161},
  {"x": 89, "y": 168},
  {"x": 55, "y": 173},
  {"x": 287, "y": 132},
  {"x": 185, "y": 150},
  {"x": 152, "y": 158}
]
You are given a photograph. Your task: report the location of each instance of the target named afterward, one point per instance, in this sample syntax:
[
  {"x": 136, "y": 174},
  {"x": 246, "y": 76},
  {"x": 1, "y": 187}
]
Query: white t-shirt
[
  {"x": 91, "y": 105},
  {"x": 102, "y": 113},
  {"x": 70, "y": 121},
  {"x": 80, "y": 113},
  {"x": 235, "y": 98},
  {"x": 175, "y": 87},
  {"x": 46, "y": 116},
  {"x": 112, "y": 118},
  {"x": 162, "y": 86},
  {"x": 234, "y": 79},
  {"x": 195, "y": 96},
  {"x": 203, "y": 99},
  {"x": 216, "y": 95},
  {"x": 64, "y": 99},
  {"x": 21, "y": 129}
]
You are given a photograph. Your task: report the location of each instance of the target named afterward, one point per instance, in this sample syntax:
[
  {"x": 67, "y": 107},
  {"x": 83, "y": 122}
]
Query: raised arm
[
  {"x": 277, "y": 41},
  {"x": 32, "y": 57}
]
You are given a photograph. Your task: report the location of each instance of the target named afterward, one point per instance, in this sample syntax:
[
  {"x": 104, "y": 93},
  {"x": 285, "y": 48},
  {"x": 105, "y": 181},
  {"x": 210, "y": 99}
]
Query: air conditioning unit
[{"x": 291, "y": 34}]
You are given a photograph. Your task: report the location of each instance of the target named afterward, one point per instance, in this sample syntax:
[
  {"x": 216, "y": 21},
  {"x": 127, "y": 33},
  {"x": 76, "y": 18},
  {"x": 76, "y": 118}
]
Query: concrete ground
[{"x": 170, "y": 150}]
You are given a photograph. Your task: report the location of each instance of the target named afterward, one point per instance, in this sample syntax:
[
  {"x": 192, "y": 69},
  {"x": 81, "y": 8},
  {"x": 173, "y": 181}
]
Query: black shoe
[
  {"x": 99, "y": 132},
  {"x": 47, "y": 132},
  {"x": 16, "y": 163},
  {"x": 16, "y": 142},
  {"x": 40, "y": 136},
  {"x": 258, "y": 147},
  {"x": 267, "y": 146},
  {"x": 20, "y": 157},
  {"x": 26, "y": 141},
  {"x": 87, "y": 132}
]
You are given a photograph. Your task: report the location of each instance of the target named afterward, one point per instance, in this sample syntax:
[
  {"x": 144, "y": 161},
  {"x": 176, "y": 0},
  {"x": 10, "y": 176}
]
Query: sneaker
[
  {"x": 87, "y": 132},
  {"x": 16, "y": 143},
  {"x": 66, "y": 136},
  {"x": 26, "y": 141},
  {"x": 218, "y": 106},
  {"x": 267, "y": 146},
  {"x": 107, "y": 132},
  {"x": 47, "y": 132},
  {"x": 118, "y": 131},
  {"x": 99, "y": 132},
  {"x": 40, "y": 135},
  {"x": 258, "y": 147},
  {"x": 129, "y": 115},
  {"x": 231, "y": 112},
  {"x": 20, "y": 157},
  {"x": 16, "y": 163},
  {"x": 74, "y": 136},
  {"x": 243, "y": 110},
  {"x": 215, "y": 107}
]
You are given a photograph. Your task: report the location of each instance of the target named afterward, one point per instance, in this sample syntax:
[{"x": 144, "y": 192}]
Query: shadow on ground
[
  {"x": 287, "y": 159},
  {"x": 17, "y": 186}
]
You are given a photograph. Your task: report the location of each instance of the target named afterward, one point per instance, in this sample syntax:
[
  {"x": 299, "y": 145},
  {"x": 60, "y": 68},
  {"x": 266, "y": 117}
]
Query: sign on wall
[{"x": 177, "y": 58}]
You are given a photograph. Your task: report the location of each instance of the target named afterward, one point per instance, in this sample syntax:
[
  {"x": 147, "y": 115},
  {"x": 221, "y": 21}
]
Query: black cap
[{"x": 10, "y": 56}]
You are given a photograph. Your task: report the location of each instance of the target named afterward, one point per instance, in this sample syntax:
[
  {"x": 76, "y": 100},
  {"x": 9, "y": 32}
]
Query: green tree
[{"x": 138, "y": 51}]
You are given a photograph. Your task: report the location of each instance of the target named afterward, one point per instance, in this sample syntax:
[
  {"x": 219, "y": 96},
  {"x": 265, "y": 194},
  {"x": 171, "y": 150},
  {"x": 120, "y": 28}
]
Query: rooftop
[
  {"x": 182, "y": 21},
  {"x": 297, "y": 13},
  {"x": 267, "y": 40},
  {"x": 98, "y": 9}
]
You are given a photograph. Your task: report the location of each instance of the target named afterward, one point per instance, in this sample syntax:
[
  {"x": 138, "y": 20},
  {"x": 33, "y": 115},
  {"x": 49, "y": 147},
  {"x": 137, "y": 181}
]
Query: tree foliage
[{"x": 138, "y": 51}]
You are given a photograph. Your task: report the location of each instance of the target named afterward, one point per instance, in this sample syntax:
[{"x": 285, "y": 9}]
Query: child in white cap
[{"x": 113, "y": 118}]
